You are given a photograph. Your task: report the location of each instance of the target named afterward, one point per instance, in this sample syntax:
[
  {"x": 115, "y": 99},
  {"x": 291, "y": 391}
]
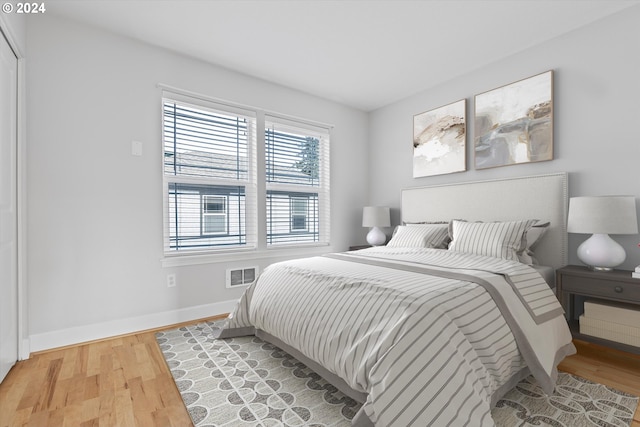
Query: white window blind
[
  {"x": 209, "y": 176},
  {"x": 297, "y": 182}
]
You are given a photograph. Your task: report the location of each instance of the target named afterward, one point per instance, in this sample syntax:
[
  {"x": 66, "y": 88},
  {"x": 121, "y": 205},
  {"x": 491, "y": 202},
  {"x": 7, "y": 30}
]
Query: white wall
[
  {"x": 95, "y": 211},
  {"x": 597, "y": 109}
]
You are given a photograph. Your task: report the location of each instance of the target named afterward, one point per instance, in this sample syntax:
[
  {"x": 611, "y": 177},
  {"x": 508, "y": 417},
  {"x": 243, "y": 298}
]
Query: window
[
  {"x": 297, "y": 176},
  {"x": 214, "y": 214},
  {"x": 299, "y": 208},
  {"x": 209, "y": 175},
  {"x": 212, "y": 189}
]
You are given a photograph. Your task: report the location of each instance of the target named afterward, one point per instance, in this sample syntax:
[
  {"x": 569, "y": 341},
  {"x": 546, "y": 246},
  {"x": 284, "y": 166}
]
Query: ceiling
[{"x": 365, "y": 54}]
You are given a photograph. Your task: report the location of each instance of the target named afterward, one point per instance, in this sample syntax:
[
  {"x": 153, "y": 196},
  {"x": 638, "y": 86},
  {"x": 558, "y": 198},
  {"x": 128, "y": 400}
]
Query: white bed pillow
[
  {"x": 497, "y": 239},
  {"x": 420, "y": 236}
]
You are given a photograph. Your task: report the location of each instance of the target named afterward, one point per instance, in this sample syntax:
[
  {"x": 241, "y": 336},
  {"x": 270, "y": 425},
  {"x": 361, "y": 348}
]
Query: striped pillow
[
  {"x": 497, "y": 239},
  {"x": 420, "y": 236}
]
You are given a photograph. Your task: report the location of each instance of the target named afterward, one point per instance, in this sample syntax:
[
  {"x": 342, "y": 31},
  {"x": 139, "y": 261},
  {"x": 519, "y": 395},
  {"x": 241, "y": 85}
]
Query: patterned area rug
[{"x": 248, "y": 382}]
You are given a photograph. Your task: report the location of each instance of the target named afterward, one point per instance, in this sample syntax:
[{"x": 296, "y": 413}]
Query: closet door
[{"x": 8, "y": 208}]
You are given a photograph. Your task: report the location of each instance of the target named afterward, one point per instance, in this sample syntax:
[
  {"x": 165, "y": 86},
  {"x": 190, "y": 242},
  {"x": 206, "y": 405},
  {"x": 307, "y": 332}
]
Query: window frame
[
  {"x": 318, "y": 186},
  {"x": 243, "y": 186},
  {"x": 256, "y": 188}
]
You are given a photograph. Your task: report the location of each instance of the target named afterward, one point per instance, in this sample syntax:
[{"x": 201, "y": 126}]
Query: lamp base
[
  {"x": 594, "y": 268},
  {"x": 375, "y": 237},
  {"x": 601, "y": 253}
]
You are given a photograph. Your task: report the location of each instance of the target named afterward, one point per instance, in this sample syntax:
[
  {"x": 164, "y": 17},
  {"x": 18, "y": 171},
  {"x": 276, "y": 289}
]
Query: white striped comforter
[{"x": 425, "y": 349}]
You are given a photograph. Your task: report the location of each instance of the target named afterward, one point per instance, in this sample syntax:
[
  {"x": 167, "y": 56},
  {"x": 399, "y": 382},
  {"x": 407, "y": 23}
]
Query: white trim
[
  {"x": 298, "y": 250},
  {"x": 293, "y": 188},
  {"x": 285, "y": 123},
  {"x": 23, "y": 302},
  {"x": 6, "y": 28},
  {"x": 171, "y": 90},
  {"x": 188, "y": 97},
  {"x": 97, "y": 331},
  {"x": 213, "y": 105},
  {"x": 181, "y": 179},
  {"x": 24, "y": 349},
  {"x": 21, "y": 180}
]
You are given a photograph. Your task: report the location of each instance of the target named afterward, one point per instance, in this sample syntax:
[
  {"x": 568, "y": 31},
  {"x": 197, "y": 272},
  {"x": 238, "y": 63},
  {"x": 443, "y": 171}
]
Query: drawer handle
[{"x": 618, "y": 289}]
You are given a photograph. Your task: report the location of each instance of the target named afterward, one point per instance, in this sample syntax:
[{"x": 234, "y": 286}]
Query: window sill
[{"x": 237, "y": 255}]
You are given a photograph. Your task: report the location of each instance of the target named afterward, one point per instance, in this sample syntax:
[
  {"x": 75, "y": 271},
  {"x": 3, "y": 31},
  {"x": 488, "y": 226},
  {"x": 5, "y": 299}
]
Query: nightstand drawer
[{"x": 601, "y": 288}]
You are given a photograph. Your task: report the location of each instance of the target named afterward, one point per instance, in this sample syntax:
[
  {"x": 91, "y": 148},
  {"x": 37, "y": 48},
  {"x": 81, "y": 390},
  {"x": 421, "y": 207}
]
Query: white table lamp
[
  {"x": 376, "y": 217},
  {"x": 601, "y": 216}
]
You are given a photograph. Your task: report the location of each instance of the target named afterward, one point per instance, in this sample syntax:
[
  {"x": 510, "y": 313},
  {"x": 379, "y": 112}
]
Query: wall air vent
[{"x": 241, "y": 276}]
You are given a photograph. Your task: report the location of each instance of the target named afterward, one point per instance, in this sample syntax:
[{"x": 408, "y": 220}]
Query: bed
[{"x": 429, "y": 330}]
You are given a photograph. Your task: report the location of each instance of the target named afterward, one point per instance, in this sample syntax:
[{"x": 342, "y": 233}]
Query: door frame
[{"x": 21, "y": 153}]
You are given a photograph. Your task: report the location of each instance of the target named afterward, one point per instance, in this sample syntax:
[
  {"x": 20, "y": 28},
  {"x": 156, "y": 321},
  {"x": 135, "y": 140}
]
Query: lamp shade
[
  {"x": 602, "y": 215},
  {"x": 376, "y": 216}
]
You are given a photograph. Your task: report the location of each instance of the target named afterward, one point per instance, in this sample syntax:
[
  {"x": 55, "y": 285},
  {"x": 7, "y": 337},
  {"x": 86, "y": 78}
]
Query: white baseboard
[
  {"x": 24, "y": 350},
  {"x": 96, "y": 331}
]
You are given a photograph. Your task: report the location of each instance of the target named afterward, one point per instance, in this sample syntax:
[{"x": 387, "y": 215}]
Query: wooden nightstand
[{"x": 575, "y": 284}]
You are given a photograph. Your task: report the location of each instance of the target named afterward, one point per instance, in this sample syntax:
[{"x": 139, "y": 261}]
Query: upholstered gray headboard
[{"x": 543, "y": 197}]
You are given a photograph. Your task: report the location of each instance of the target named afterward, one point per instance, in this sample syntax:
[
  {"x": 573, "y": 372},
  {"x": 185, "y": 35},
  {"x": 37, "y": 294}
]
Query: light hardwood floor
[{"x": 124, "y": 381}]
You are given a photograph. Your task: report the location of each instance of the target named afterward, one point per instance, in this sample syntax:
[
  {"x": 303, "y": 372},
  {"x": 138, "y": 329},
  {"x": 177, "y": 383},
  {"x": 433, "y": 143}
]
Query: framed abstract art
[
  {"x": 514, "y": 123},
  {"x": 439, "y": 140}
]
